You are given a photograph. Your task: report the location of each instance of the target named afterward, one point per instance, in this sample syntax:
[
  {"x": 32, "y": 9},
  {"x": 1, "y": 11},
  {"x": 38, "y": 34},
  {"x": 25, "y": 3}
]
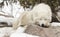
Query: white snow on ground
[
  {"x": 20, "y": 29},
  {"x": 7, "y": 8},
  {"x": 17, "y": 9},
  {"x": 55, "y": 24},
  {"x": 8, "y": 31},
  {"x": 6, "y": 19},
  {"x": 22, "y": 35},
  {"x": 1, "y": 1},
  {"x": 14, "y": 10}
]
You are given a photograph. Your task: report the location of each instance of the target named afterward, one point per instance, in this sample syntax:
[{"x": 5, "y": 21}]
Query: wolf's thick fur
[{"x": 40, "y": 14}]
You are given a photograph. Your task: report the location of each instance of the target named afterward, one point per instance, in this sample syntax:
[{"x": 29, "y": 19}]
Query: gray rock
[{"x": 43, "y": 32}]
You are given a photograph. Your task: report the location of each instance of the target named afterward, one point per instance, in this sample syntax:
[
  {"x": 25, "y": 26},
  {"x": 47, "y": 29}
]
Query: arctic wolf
[{"x": 40, "y": 15}]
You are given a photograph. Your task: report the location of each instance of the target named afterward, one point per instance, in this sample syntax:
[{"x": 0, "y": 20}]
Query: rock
[{"x": 43, "y": 32}]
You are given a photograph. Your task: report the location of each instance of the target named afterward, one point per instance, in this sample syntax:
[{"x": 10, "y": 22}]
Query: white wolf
[{"x": 41, "y": 14}]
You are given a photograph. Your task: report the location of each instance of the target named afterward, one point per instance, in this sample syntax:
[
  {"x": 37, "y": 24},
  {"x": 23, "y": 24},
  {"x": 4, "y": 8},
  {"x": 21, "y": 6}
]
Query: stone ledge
[{"x": 43, "y": 32}]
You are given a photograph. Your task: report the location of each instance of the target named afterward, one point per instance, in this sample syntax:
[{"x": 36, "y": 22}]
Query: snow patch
[
  {"x": 22, "y": 35},
  {"x": 55, "y": 24}
]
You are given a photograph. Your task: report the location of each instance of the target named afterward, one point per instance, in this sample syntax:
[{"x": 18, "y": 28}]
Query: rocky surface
[
  {"x": 43, "y": 32},
  {"x": 52, "y": 31}
]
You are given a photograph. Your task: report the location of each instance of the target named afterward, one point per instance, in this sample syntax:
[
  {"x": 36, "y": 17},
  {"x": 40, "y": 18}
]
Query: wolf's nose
[{"x": 42, "y": 25}]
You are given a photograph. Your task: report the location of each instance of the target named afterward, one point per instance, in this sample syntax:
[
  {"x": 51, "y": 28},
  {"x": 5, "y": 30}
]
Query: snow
[
  {"x": 6, "y": 31},
  {"x": 20, "y": 29},
  {"x": 7, "y": 8},
  {"x": 1, "y": 1},
  {"x": 6, "y": 19},
  {"x": 13, "y": 10},
  {"x": 22, "y": 35},
  {"x": 55, "y": 24},
  {"x": 17, "y": 9},
  {"x": 9, "y": 31}
]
